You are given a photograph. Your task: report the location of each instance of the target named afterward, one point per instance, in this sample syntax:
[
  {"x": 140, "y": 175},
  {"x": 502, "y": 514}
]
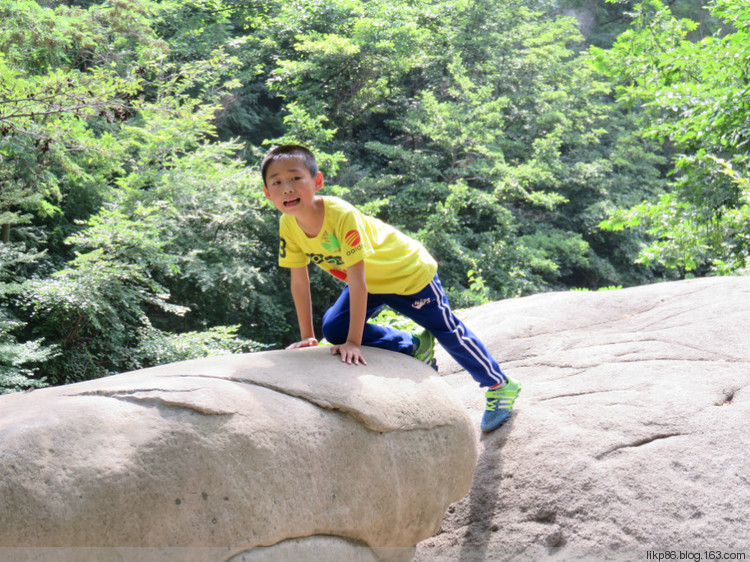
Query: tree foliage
[
  {"x": 693, "y": 95},
  {"x": 96, "y": 128}
]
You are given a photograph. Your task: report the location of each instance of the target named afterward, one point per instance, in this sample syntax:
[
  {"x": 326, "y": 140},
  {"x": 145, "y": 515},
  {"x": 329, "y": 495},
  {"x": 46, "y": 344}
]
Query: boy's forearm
[
  {"x": 357, "y": 302},
  {"x": 303, "y": 302}
]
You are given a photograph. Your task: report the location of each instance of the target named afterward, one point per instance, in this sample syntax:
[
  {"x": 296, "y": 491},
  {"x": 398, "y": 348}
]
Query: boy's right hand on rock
[{"x": 307, "y": 342}]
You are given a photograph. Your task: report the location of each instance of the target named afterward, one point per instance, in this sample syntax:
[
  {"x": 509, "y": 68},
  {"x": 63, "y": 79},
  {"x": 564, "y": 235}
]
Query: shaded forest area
[{"x": 531, "y": 145}]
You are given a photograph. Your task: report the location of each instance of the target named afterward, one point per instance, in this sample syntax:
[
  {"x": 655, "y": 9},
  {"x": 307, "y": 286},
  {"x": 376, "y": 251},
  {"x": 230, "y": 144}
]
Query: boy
[{"x": 380, "y": 266}]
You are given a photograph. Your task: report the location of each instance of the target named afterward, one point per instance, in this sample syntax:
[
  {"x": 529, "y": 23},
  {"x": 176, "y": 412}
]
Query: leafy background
[{"x": 531, "y": 145}]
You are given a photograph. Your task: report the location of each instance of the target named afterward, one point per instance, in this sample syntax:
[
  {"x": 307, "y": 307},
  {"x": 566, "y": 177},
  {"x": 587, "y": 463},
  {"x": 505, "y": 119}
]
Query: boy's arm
[
  {"x": 351, "y": 351},
  {"x": 303, "y": 306}
]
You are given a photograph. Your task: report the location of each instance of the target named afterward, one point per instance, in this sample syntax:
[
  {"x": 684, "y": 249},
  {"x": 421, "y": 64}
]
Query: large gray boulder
[
  {"x": 229, "y": 453},
  {"x": 631, "y": 434}
]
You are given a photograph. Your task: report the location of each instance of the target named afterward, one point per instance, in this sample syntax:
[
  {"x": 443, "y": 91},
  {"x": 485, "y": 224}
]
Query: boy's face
[{"x": 290, "y": 186}]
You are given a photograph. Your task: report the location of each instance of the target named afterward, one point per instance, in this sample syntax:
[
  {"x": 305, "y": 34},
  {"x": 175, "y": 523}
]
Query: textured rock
[
  {"x": 236, "y": 452},
  {"x": 631, "y": 433}
]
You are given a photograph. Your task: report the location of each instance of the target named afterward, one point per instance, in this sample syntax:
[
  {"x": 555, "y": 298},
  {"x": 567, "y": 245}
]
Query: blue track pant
[{"x": 430, "y": 309}]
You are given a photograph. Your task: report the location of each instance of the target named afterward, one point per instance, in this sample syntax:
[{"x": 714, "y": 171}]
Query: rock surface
[
  {"x": 235, "y": 452},
  {"x": 631, "y": 433}
]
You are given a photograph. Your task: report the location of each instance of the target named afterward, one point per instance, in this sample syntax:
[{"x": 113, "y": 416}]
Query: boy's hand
[
  {"x": 350, "y": 353},
  {"x": 307, "y": 342}
]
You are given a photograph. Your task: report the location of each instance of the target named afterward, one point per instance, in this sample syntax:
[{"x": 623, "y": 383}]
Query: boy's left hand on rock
[{"x": 350, "y": 353}]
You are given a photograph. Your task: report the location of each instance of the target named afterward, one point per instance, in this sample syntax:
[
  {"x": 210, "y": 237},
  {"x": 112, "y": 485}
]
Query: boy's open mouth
[{"x": 291, "y": 202}]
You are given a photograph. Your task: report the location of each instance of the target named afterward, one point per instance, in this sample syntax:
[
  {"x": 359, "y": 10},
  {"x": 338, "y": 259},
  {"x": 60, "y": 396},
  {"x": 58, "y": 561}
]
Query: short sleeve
[{"x": 290, "y": 254}]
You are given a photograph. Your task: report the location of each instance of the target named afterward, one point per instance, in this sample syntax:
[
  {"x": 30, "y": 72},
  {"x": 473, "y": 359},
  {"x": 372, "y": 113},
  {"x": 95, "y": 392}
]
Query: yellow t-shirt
[{"x": 394, "y": 262}]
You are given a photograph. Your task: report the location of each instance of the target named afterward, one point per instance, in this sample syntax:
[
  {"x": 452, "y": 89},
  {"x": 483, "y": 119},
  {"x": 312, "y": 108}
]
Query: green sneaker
[
  {"x": 499, "y": 405},
  {"x": 425, "y": 348}
]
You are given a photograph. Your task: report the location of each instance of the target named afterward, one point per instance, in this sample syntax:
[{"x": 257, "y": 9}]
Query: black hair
[{"x": 290, "y": 151}]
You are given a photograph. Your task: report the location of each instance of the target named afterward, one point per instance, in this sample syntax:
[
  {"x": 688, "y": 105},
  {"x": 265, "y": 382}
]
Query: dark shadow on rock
[{"x": 484, "y": 496}]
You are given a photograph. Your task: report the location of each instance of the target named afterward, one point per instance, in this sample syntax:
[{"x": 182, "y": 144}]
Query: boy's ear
[
  {"x": 265, "y": 192},
  {"x": 318, "y": 181}
]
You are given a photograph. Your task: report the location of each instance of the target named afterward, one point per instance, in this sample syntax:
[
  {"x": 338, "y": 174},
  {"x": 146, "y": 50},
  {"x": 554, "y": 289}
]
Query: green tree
[
  {"x": 46, "y": 97},
  {"x": 181, "y": 216},
  {"x": 18, "y": 359},
  {"x": 109, "y": 173},
  {"x": 692, "y": 94},
  {"x": 516, "y": 114}
]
